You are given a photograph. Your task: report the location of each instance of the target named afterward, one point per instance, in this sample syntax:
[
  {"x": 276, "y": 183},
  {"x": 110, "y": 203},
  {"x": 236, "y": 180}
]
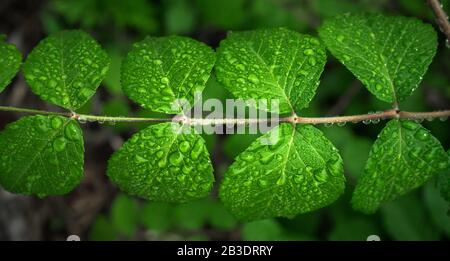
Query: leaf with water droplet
[
  {"x": 172, "y": 166},
  {"x": 66, "y": 68},
  {"x": 389, "y": 54},
  {"x": 41, "y": 155},
  {"x": 271, "y": 64},
  {"x": 10, "y": 60},
  {"x": 302, "y": 173},
  {"x": 160, "y": 70},
  {"x": 404, "y": 156}
]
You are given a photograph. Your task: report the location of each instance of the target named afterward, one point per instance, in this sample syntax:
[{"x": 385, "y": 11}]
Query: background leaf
[
  {"x": 300, "y": 173},
  {"x": 404, "y": 157},
  {"x": 388, "y": 54},
  {"x": 41, "y": 155},
  {"x": 444, "y": 183},
  {"x": 160, "y": 164},
  {"x": 10, "y": 61},
  {"x": 157, "y": 71},
  {"x": 271, "y": 64},
  {"x": 124, "y": 215},
  {"x": 437, "y": 207},
  {"x": 406, "y": 219},
  {"x": 66, "y": 68},
  {"x": 157, "y": 216}
]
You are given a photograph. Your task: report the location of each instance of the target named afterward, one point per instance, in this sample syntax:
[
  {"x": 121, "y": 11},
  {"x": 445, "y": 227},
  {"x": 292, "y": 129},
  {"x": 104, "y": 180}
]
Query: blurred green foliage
[{"x": 423, "y": 215}]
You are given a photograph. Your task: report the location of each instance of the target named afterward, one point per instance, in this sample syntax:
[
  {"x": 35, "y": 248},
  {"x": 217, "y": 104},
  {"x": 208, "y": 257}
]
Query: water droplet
[
  {"x": 181, "y": 178},
  {"x": 159, "y": 154},
  {"x": 320, "y": 175},
  {"x": 240, "y": 67},
  {"x": 409, "y": 125},
  {"x": 421, "y": 134},
  {"x": 165, "y": 80},
  {"x": 312, "y": 61},
  {"x": 56, "y": 122},
  {"x": 52, "y": 83},
  {"x": 308, "y": 52},
  {"x": 253, "y": 78},
  {"x": 196, "y": 150},
  {"x": 72, "y": 132},
  {"x": 281, "y": 180},
  {"x": 298, "y": 178},
  {"x": 138, "y": 159},
  {"x": 175, "y": 158},
  {"x": 59, "y": 144},
  {"x": 162, "y": 163},
  {"x": 340, "y": 38},
  {"x": 184, "y": 146},
  {"x": 263, "y": 183},
  {"x": 267, "y": 158},
  {"x": 247, "y": 157},
  {"x": 158, "y": 62}
]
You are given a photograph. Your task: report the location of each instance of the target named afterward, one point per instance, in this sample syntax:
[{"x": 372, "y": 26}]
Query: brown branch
[
  {"x": 441, "y": 17},
  {"x": 388, "y": 114}
]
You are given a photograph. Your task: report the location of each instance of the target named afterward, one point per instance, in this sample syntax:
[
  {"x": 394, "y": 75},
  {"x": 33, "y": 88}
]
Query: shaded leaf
[
  {"x": 406, "y": 219},
  {"x": 41, "y": 155},
  {"x": 157, "y": 216},
  {"x": 66, "y": 68},
  {"x": 124, "y": 215},
  {"x": 437, "y": 207}
]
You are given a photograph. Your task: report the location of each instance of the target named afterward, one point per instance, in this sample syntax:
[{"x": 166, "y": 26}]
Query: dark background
[{"x": 96, "y": 210}]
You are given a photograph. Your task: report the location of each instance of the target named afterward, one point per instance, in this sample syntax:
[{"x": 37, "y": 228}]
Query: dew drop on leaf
[{"x": 59, "y": 144}]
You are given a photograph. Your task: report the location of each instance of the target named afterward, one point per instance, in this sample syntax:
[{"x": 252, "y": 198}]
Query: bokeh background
[{"x": 97, "y": 210}]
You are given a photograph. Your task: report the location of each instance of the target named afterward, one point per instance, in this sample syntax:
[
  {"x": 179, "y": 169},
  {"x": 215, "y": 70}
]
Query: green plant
[{"x": 43, "y": 155}]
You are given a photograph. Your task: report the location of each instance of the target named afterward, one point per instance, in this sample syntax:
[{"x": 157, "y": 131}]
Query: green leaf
[
  {"x": 444, "y": 183},
  {"x": 220, "y": 218},
  {"x": 268, "y": 229},
  {"x": 157, "y": 71},
  {"x": 299, "y": 173},
  {"x": 406, "y": 219},
  {"x": 225, "y": 14},
  {"x": 103, "y": 230},
  {"x": 10, "y": 61},
  {"x": 161, "y": 163},
  {"x": 41, "y": 155},
  {"x": 157, "y": 216},
  {"x": 124, "y": 215},
  {"x": 404, "y": 157},
  {"x": 192, "y": 215},
  {"x": 271, "y": 64},
  {"x": 437, "y": 207},
  {"x": 66, "y": 68},
  {"x": 361, "y": 228},
  {"x": 389, "y": 54}
]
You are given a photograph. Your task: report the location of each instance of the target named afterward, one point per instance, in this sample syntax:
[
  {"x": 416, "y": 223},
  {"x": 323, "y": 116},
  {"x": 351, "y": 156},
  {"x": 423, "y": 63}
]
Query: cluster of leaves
[
  {"x": 301, "y": 172},
  {"x": 128, "y": 215}
]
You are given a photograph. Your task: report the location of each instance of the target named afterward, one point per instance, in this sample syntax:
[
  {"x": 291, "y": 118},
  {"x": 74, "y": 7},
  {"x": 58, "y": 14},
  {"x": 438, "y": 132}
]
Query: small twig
[
  {"x": 388, "y": 114},
  {"x": 441, "y": 17}
]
